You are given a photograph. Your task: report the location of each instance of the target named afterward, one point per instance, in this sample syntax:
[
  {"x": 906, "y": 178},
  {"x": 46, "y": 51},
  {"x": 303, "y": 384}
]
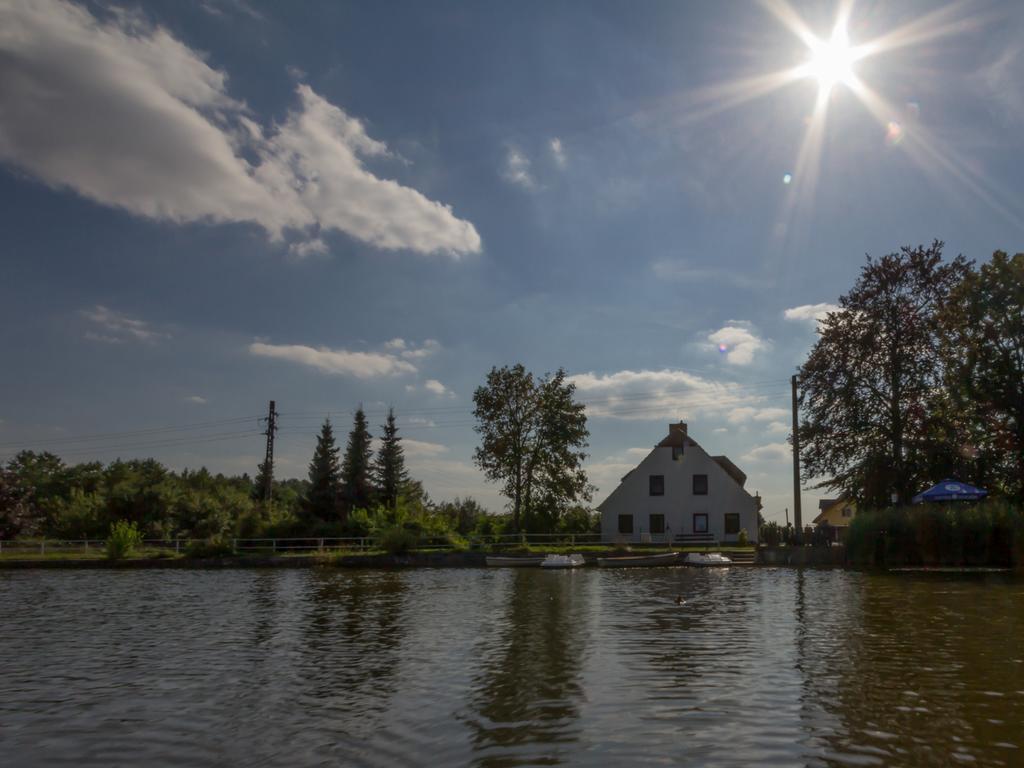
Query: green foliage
[
  {"x": 396, "y": 539},
  {"x": 771, "y": 534},
  {"x": 123, "y": 540},
  {"x": 16, "y": 509},
  {"x": 356, "y": 468},
  {"x": 214, "y": 546},
  {"x": 743, "y": 539},
  {"x": 323, "y": 499},
  {"x": 532, "y": 433},
  {"x": 990, "y": 533},
  {"x": 983, "y": 350},
  {"x": 389, "y": 468},
  {"x": 871, "y": 388}
]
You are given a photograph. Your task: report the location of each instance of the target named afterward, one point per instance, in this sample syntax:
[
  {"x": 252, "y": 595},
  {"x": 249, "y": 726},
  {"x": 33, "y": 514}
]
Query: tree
[
  {"x": 871, "y": 388},
  {"x": 323, "y": 498},
  {"x": 983, "y": 349},
  {"x": 532, "y": 435},
  {"x": 357, "y": 466},
  {"x": 264, "y": 477},
  {"x": 389, "y": 467},
  {"x": 16, "y": 516}
]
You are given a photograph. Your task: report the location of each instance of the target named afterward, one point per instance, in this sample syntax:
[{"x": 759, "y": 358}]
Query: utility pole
[
  {"x": 268, "y": 461},
  {"x": 797, "y": 518}
]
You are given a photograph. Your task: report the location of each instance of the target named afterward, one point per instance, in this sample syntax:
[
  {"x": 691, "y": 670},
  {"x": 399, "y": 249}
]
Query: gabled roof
[
  {"x": 731, "y": 469},
  {"x": 824, "y": 505}
]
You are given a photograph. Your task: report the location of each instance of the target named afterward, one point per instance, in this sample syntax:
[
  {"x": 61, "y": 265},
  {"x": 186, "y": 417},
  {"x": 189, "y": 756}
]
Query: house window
[
  {"x": 732, "y": 523},
  {"x": 625, "y": 523},
  {"x": 700, "y": 523},
  {"x": 700, "y": 485},
  {"x": 657, "y": 485},
  {"x": 847, "y": 512},
  {"x": 677, "y": 452},
  {"x": 657, "y": 523}
]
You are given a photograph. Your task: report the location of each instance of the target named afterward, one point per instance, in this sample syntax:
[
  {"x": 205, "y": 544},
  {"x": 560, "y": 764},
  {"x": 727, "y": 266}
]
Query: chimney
[{"x": 680, "y": 427}]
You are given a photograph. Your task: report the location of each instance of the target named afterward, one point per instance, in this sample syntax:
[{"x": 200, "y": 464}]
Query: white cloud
[
  {"x": 666, "y": 394},
  {"x": 362, "y": 365},
  {"x": 423, "y": 448},
  {"x": 436, "y": 387},
  {"x": 420, "y": 421},
  {"x": 777, "y": 428},
  {"x": 428, "y": 348},
  {"x": 720, "y": 430},
  {"x": 558, "y": 152},
  {"x": 738, "y": 342},
  {"x": 304, "y": 248},
  {"x": 112, "y": 327},
  {"x": 639, "y": 453},
  {"x": 749, "y": 413},
  {"x": 810, "y": 312},
  {"x": 128, "y": 116},
  {"x": 395, "y": 343},
  {"x": 773, "y": 452},
  {"x": 197, "y": 399},
  {"x": 517, "y": 168}
]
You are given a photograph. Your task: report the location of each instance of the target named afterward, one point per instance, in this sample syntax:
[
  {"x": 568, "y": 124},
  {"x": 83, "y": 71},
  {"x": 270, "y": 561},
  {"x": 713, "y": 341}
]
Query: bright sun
[{"x": 832, "y": 60}]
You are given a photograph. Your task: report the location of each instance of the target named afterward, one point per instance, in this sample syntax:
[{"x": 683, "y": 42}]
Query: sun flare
[{"x": 832, "y": 60}]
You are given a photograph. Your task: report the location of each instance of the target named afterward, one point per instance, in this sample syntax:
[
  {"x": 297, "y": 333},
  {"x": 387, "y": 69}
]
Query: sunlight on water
[{"x": 510, "y": 667}]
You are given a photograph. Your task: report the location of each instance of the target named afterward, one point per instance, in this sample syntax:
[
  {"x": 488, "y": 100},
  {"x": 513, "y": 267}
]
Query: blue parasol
[{"x": 950, "y": 490}]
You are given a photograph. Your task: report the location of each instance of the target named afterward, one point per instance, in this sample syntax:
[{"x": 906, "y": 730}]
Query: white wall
[{"x": 679, "y": 504}]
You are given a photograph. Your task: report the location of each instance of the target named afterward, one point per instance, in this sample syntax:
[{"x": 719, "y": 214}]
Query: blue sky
[{"x": 208, "y": 205}]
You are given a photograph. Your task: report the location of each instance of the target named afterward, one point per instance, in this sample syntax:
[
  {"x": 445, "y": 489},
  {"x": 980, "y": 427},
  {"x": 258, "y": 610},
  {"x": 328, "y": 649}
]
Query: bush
[
  {"x": 990, "y": 533},
  {"x": 397, "y": 540},
  {"x": 214, "y": 546},
  {"x": 771, "y": 534},
  {"x": 123, "y": 539},
  {"x": 743, "y": 540}
]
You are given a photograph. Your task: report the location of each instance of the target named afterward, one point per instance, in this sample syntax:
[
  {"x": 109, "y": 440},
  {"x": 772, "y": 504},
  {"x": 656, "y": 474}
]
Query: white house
[{"x": 680, "y": 493}]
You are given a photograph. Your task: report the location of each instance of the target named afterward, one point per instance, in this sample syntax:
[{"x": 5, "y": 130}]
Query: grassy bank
[{"x": 985, "y": 534}]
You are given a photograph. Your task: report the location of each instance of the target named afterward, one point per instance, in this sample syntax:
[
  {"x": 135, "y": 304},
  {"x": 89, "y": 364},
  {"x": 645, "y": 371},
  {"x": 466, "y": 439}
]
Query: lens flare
[
  {"x": 893, "y": 133},
  {"x": 723, "y": 348},
  {"x": 787, "y": 179}
]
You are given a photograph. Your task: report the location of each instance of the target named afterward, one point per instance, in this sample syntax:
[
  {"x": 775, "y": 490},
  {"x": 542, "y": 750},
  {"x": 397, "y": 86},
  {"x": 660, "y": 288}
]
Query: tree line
[
  {"x": 532, "y": 432},
  {"x": 916, "y": 377}
]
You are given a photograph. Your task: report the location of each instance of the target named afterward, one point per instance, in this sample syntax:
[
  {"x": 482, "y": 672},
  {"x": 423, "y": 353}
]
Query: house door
[{"x": 700, "y": 523}]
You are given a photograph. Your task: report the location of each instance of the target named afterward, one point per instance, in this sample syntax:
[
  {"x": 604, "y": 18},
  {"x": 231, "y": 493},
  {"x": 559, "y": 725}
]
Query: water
[{"x": 510, "y": 667}]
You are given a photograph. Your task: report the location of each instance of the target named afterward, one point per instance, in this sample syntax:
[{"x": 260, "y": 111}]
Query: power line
[{"x": 131, "y": 433}]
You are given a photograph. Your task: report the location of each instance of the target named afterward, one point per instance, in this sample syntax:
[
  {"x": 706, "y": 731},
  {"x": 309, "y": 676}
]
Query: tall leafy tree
[
  {"x": 984, "y": 351},
  {"x": 871, "y": 388},
  {"x": 389, "y": 466},
  {"x": 357, "y": 466},
  {"x": 323, "y": 499},
  {"x": 532, "y": 438}
]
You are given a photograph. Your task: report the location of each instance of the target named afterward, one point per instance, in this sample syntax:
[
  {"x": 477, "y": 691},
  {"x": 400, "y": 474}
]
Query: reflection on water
[
  {"x": 510, "y": 667},
  {"x": 526, "y": 692}
]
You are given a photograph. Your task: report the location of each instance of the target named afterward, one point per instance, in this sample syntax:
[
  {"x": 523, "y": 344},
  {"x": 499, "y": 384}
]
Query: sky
[{"x": 208, "y": 205}]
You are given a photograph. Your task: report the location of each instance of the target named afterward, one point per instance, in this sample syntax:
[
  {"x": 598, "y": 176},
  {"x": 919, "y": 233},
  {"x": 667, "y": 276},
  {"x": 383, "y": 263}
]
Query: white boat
[
  {"x": 707, "y": 559},
  {"x": 501, "y": 561},
  {"x": 639, "y": 561},
  {"x": 562, "y": 561}
]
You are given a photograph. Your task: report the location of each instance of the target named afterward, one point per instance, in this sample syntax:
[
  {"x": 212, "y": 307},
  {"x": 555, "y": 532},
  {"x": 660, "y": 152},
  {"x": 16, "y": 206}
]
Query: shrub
[
  {"x": 123, "y": 539},
  {"x": 771, "y": 534},
  {"x": 743, "y": 539},
  {"x": 214, "y": 546},
  {"x": 397, "y": 540}
]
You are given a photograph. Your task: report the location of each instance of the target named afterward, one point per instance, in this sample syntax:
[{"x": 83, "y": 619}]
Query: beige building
[
  {"x": 834, "y": 515},
  {"x": 680, "y": 493}
]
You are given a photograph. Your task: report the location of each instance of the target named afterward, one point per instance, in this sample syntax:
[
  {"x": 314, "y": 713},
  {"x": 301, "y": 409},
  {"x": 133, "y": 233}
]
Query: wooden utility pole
[
  {"x": 797, "y": 518},
  {"x": 268, "y": 461}
]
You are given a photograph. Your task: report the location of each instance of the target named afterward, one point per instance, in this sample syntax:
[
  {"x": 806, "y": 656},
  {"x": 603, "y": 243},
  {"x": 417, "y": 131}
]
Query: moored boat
[
  {"x": 511, "y": 561},
  {"x": 639, "y": 561},
  {"x": 563, "y": 561},
  {"x": 707, "y": 559}
]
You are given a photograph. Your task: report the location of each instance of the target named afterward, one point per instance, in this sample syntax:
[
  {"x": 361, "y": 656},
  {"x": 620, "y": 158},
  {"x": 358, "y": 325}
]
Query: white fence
[{"x": 300, "y": 545}]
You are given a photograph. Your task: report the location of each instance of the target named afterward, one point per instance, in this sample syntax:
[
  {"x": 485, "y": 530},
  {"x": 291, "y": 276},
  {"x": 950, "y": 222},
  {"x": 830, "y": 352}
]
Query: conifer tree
[
  {"x": 389, "y": 468},
  {"x": 324, "y": 497},
  {"x": 357, "y": 465}
]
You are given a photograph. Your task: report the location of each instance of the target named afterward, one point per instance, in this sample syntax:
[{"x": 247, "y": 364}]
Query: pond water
[{"x": 506, "y": 667}]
